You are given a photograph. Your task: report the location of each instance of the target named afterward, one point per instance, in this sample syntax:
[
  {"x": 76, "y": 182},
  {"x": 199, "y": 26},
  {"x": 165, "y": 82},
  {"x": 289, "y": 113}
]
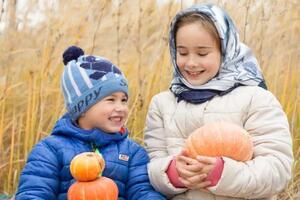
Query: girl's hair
[{"x": 203, "y": 19}]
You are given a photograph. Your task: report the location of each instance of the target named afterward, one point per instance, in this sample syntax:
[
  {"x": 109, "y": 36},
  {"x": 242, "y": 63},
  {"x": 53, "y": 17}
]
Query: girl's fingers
[
  {"x": 202, "y": 185},
  {"x": 208, "y": 163},
  {"x": 207, "y": 169},
  {"x": 197, "y": 181},
  {"x": 188, "y": 167},
  {"x": 187, "y": 160},
  {"x": 188, "y": 170},
  {"x": 185, "y": 173},
  {"x": 185, "y": 170},
  {"x": 206, "y": 159}
]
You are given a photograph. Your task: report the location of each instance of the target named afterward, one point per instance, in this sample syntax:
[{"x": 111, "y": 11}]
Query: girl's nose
[{"x": 191, "y": 62}]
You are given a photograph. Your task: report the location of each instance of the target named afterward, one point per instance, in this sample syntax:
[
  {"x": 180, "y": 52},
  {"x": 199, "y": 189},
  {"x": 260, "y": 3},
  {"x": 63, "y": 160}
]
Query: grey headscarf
[{"x": 238, "y": 65}]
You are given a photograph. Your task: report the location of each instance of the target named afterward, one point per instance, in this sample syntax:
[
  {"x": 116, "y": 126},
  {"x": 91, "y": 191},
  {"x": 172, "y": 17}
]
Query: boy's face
[
  {"x": 109, "y": 114},
  {"x": 198, "y": 54}
]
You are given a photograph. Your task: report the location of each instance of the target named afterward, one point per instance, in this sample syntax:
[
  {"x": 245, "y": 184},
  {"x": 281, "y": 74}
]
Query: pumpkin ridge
[
  {"x": 220, "y": 139},
  {"x": 192, "y": 150}
]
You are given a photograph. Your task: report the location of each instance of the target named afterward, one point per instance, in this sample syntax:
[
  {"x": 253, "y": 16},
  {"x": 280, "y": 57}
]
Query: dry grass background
[{"x": 133, "y": 34}]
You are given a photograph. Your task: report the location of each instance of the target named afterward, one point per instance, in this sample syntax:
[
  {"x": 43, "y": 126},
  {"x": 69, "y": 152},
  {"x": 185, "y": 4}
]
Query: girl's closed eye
[
  {"x": 203, "y": 54},
  {"x": 182, "y": 53}
]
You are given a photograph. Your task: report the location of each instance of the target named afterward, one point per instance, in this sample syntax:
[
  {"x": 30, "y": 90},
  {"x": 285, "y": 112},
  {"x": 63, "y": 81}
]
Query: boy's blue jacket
[{"x": 46, "y": 174}]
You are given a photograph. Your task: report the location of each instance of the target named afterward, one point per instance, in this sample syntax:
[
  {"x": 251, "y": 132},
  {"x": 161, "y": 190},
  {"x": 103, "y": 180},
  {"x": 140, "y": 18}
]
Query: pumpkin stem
[{"x": 98, "y": 152}]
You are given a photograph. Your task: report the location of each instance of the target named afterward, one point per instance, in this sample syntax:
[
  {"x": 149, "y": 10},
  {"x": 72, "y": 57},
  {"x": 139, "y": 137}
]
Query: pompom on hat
[
  {"x": 72, "y": 53},
  {"x": 87, "y": 79}
]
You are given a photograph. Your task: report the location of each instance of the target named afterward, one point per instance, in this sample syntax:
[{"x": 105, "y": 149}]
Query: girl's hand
[
  {"x": 208, "y": 163},
  {"x": 190, "y": 172}
]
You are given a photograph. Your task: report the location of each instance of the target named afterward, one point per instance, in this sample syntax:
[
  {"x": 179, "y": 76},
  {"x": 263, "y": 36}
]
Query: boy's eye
[
  {"x": 125, "y": 100},
  {"x": 110, "y": 99}
]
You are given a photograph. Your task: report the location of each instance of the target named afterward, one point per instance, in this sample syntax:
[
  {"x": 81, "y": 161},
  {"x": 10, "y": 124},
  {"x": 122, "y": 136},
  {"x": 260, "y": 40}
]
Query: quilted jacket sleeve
[
  {"x": 39, "y": 178},
  {"x": 138, "y": 186},
  {"x": 155, "y": 143},
  {"x": 270, "y": 169}
]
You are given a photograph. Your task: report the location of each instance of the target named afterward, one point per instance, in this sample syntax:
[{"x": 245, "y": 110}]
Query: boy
[{"x": 96, "y": 94}]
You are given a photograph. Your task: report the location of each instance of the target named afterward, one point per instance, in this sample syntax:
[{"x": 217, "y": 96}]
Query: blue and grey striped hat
[{"x": 87, "y": 79}]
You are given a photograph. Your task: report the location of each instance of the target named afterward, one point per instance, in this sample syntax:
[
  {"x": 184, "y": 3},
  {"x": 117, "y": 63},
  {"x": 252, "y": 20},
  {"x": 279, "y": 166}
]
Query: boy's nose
[{"x": 120, "y": 107}]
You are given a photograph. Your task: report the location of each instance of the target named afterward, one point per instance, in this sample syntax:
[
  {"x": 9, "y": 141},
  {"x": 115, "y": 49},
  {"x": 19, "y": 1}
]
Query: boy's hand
[{"x": 190, "y": 171}]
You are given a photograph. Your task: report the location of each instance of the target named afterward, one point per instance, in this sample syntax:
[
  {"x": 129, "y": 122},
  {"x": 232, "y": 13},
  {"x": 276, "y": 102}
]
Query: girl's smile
[{"x": 193, "y": 74}]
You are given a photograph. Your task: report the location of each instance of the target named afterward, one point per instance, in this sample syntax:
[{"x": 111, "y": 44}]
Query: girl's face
[
  {"x": 109, "y": 114},
  {"x": 198, "y": 53}
]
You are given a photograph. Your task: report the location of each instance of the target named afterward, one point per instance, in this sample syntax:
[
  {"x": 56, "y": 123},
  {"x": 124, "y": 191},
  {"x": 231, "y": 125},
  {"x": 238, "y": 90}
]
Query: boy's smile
[{"x": 118, "y": 120}]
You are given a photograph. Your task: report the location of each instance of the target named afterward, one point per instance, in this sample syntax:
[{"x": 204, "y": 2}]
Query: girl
[{"x": 216, "y": 78}]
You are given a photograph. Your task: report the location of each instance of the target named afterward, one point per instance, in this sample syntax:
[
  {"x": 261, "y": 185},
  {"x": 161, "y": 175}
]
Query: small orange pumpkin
[
  {"x": 87, "y": 166},
  {"x": 102, "y": 188},
  {"x": 220, "y": 139}
]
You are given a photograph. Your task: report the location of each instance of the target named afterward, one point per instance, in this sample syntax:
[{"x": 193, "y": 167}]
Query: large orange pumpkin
[
  {"x": 102, "y": 188},
  {"x": 220, "y": 139},
  {"x": 87, "y": 166}
]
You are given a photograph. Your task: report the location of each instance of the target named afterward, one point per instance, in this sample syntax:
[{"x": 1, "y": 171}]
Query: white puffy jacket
[{"x": 169, "y": 123}]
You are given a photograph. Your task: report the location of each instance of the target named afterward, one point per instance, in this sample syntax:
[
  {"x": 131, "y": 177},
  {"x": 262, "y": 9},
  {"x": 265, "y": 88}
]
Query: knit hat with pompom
[{"x": 87, "y": 79}]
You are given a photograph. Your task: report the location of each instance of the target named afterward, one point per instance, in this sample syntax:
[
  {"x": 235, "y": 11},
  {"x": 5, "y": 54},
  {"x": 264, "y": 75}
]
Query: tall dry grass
[{"x": 134, "y": 35}]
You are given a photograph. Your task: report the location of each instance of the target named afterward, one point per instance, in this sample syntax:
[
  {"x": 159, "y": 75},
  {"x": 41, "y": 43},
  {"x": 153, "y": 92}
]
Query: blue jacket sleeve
[
  {"x": 138, "y": 186},
  {"x": 39, "y": 178}
]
